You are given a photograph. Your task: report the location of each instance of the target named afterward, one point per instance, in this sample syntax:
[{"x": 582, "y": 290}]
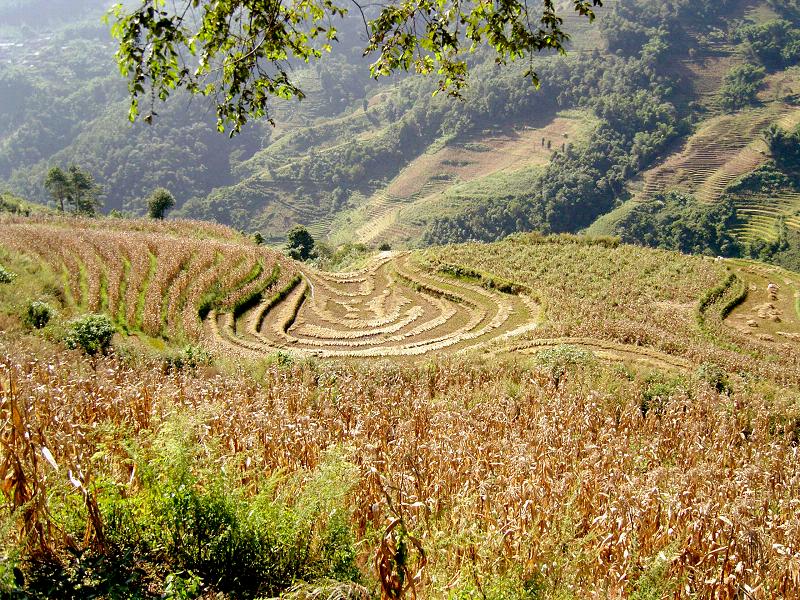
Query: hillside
[
  {"x": 535, "y": 418},
  {"x": 488, "y": 407},
  {"x": 637, "y": 108}
]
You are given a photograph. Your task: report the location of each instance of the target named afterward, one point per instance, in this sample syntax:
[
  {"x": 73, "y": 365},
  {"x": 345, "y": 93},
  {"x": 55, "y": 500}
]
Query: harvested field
[
  {"x": 249, "y": 301},
  {"x": 637, "y": 305},
  {"x": 391, "y": 308},
  {"x": 519, "y": 296}
]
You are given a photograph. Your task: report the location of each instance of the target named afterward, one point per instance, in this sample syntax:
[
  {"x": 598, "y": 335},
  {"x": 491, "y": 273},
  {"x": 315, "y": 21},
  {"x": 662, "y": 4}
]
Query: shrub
[
  {"x": 190, "y": 357},
  {"x": 714, "y": 376},
  {"x": 560, "y": 359},
  {"x": 741, "y": 86},
  {"x": 658, "y": 390},
  {"x": 90, "y": 333},
  {"x": 300, "y": 243},
  {"x": 221, "y": 536},
  {"x": 6, "y": 276},
  {"x": 39, "y": 314},
  {"x": 159, "y": 202}
]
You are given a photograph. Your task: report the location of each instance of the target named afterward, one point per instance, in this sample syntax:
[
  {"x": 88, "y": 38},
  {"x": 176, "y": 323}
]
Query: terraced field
[
  {"x": 146, "y": 277},
  {"x": 634, "y": 305},
  {"x": 391, "y": 308},
  {"x": 761, "y": 214},
  {"x": 249, "y": 301},
  {"x": 623, "y": 304},
  {"x": 723, "y": 149},
  {"x": 726, "y": 147}
]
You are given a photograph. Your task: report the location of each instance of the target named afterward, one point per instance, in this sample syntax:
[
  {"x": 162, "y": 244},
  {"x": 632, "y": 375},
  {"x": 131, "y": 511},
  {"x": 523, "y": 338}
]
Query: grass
[{"x": 123, "y": 289}]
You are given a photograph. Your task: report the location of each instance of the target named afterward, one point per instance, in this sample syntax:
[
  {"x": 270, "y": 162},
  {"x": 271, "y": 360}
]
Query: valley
[{"x": 382, "y": 337}]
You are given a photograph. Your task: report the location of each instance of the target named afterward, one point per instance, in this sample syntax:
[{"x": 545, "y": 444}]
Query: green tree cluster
[
  {"x": 74, "y": 187},
  {"x": 785, "y": 148},
  {"x": 91, "y": 333},
  {"x": 676, "y": 221},
  {"x": 775, "y": 43},
  {"x": 300, "y": 243},
  {"x": 741, "y": 85}
]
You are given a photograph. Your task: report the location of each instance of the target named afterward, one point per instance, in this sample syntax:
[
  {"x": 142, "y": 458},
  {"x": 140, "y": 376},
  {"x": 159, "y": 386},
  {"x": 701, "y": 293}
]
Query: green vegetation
[
  {"x": 6, "y": 276},
  {"x": 329, "y": 162},
  {"x": 300, "y": 243},
  {"x": 675, "y": 221},
  {"x": 637, "y": 120},
  {"x": 775, "y": 43},
  {"x": 159, "y": 202},
  {"x": 91, "y": 333},
  {"x": 741, "y": 85},
  {"x": 563, "y": 359},
  {"x": 76, "y": 187},
  {"x": 785, "y": 149},
  {"x": 10, "y": 204},
  {"x": 249, "y": 49},
  {"x": 39, "y": 314}
]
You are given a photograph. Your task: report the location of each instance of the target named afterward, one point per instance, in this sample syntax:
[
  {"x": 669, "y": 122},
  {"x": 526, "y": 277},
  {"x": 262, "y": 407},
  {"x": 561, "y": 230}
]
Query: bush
[
  {"x": 6, "y": 276},
  {"x": 714, "y": 376},
  {"x": 741, "y": 86},
  {"x": 39, "y": 314},
  {"x": 560, "y": 359},
  {"x": 190, "y": 357},
  {"x": 218, "y": 534},
  {"x": 90, "y": 333},
  {"x": 658, "y": 391},
  {"x": 675, "y": 221}
]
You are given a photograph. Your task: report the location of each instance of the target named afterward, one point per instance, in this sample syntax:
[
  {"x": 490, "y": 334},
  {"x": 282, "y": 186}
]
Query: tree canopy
[
  {"x": 76, "y": 187},
  {"x": 159, "y": 202},
  {"x": 239, "y": 52},
  {"x": 299, "y": 243}
]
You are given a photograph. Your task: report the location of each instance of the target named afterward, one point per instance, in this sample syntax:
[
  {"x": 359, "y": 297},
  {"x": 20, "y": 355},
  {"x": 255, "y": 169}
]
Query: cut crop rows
[{"x": 149, "y": 281}]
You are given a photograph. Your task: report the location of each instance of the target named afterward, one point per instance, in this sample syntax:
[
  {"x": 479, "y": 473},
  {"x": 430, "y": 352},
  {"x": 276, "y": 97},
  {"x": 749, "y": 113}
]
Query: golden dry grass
[{"x": 494, "y": 469}]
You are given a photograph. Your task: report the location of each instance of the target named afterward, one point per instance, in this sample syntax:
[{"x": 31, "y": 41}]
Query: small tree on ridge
[{"x": 159, "y": 202}]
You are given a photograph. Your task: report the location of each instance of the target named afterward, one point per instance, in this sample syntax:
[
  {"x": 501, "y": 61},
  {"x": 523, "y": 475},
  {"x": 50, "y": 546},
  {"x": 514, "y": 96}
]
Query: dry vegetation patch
[{"x": 597, "y": 486}]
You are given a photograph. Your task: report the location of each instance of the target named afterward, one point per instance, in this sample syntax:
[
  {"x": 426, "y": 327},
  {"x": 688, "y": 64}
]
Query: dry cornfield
[
  {"x": 148, "y": 278},
  {"x": 493, "y": 469}
]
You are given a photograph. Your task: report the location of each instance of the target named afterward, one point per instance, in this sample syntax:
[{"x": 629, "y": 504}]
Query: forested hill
[{"x": 653, "y": 97}]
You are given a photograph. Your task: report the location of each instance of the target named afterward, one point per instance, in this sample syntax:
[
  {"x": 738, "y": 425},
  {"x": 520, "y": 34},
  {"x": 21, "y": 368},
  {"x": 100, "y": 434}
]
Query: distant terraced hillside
[
  {"x": 433, "y": 184},
  {"x": 722, "y": 150}
]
